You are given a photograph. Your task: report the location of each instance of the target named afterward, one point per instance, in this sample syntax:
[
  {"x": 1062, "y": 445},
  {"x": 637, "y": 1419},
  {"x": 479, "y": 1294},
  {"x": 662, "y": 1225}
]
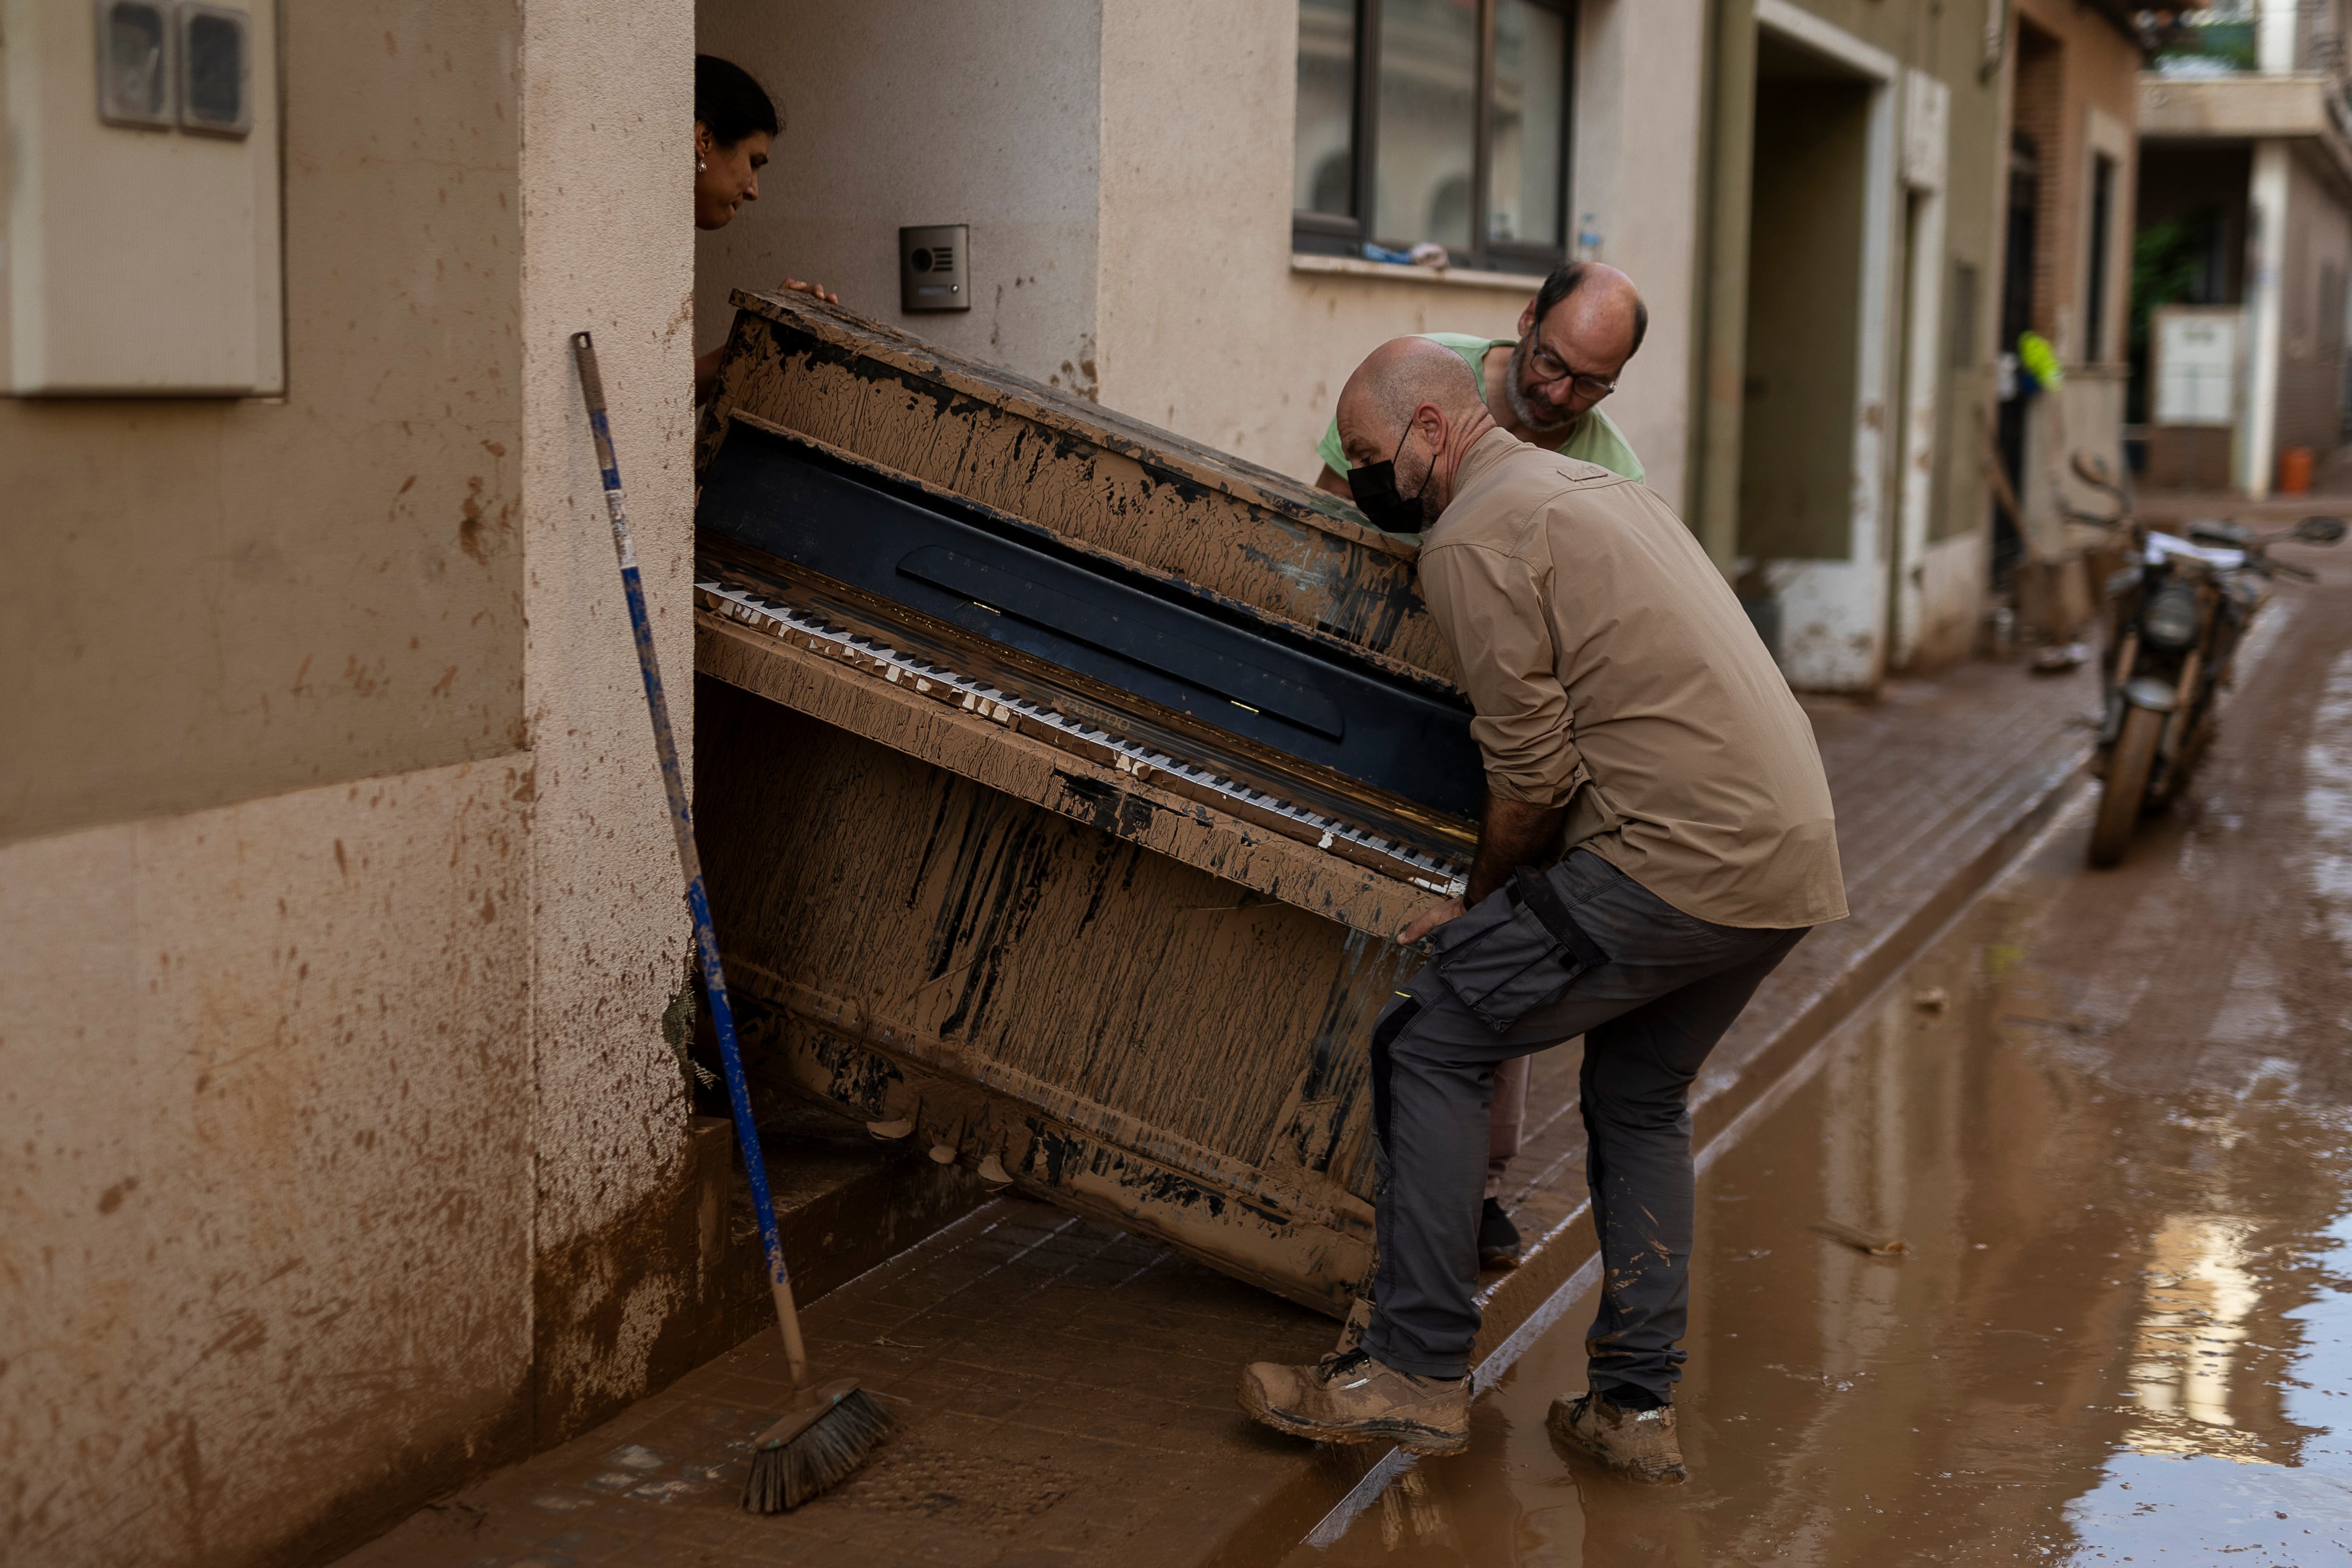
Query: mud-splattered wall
[
  {"x": 608, "y": 241},
  {"x": 338, "y": 913}
]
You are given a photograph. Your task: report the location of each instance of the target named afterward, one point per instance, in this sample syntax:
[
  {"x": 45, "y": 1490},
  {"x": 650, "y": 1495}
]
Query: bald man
[
  {"x": 1657, "y": 836},
  {"x": 1545, "y": 386}
]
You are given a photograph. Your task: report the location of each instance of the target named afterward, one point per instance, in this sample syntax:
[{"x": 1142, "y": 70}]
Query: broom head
[{"x": 825, "y": 1438}]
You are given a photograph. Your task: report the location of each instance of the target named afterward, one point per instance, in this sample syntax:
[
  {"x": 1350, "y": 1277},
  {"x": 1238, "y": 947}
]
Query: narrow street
[{"x": 2106, "y": 1114}]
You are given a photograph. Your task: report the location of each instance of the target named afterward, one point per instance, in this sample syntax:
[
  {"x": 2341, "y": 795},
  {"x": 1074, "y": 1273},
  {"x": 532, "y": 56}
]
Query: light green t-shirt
[{"x": 1595, "y": 439}]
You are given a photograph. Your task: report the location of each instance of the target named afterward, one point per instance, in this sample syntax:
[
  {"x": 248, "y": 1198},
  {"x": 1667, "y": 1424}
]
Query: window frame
[
  {"x": 1327, "y": 234},
  {"x": 2106, "y": 176}
]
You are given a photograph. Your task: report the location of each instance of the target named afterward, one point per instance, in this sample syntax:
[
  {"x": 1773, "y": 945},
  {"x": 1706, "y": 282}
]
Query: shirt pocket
[{"x": 1519, "y": 950}]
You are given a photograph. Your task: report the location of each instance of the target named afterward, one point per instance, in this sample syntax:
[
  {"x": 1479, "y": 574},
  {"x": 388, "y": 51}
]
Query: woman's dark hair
[{"x": 729, "y": 101}]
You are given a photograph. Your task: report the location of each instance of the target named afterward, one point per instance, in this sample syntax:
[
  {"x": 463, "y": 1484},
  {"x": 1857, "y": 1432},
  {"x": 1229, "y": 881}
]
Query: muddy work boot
[
  {"x": 1642, "y": 1443},
  {"x": 1498, "y": 1238},
  {"x": 1349, "y": 1398}
]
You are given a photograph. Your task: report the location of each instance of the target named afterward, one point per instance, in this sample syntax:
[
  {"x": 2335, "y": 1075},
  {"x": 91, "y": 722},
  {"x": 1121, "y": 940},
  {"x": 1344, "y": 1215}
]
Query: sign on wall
[{"x": 2196, "y": 366}]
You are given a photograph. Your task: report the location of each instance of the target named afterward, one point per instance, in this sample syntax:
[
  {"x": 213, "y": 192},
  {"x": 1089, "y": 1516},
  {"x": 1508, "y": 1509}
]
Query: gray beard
[{"x": 1537, "y": 418}]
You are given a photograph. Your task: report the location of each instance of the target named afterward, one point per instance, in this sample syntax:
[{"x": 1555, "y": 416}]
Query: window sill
[{"x": 1457, "y": 276}]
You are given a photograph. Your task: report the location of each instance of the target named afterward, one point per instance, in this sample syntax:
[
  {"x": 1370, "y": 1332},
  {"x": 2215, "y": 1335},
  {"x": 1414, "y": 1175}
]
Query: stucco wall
[
  {"x": 1641, "y": 83},
  {"x": 225, "y": 599},
  {"x": 899, "y": 113},
  {"x": 266, "y": 1249},
  {"x": 1203, "y": 327},
  {"x": 338, "y": 908},
  {"x": 607, "y": 203},
  {"x": 2311, "y": 338}
]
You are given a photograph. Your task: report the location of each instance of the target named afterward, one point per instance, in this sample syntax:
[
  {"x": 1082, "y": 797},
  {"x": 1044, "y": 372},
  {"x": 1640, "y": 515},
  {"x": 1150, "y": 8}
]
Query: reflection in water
[
  {"x": 2194, "y": 1483},
  {"x": 2200, "y": 1294}
]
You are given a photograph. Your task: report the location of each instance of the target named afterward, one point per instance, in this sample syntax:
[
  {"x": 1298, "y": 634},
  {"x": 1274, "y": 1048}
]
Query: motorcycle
[{"x": 2177, "y": 612}]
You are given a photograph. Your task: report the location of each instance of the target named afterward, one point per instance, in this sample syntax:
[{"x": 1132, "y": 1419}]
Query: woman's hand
[
  {"x": 1429, "y": 919},
  {"x": 794, "y": 286}
]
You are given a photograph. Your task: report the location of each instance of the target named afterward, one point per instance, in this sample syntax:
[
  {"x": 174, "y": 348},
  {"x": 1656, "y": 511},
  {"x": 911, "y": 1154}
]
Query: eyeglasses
[{"x": 1548, "y": 370}]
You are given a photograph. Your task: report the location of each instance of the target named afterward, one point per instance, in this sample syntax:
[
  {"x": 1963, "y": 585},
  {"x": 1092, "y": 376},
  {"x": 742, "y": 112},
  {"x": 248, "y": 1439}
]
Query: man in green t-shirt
[{"x": 1544, "y": 387}]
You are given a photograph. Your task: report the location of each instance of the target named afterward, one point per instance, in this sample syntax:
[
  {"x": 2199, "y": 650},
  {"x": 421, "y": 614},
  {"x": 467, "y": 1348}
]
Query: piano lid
[
  {"x": 1092, "y": 475},
  {"x": 1227, "y": 668}
]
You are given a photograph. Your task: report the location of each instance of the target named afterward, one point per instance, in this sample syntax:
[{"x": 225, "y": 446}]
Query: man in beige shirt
[
  {"x": 1545, "y": 387},
  {"x": 1657, "y": 837}
]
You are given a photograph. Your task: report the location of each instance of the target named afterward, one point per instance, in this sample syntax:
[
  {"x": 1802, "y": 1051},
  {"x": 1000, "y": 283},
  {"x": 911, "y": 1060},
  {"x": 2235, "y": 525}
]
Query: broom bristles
[{"x": 817, "y": 1458}]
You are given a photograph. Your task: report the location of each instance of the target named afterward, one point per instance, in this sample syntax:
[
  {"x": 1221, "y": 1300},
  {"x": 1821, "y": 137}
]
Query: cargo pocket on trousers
[{"x": 1511, "y": 955}]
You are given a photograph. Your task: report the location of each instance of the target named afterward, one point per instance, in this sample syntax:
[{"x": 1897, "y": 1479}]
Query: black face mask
[{"x": 1374, "y": 487}]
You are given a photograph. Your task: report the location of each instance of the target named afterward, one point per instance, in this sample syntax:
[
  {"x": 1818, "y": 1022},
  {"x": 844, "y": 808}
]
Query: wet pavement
[
  {"x": 2110, "y": 1117},
  {"x": 2105, "y": 1114}
]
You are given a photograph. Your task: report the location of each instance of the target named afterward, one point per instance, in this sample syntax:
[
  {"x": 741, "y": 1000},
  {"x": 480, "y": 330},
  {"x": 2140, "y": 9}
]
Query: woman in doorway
[{"x": 735, "y": 127}]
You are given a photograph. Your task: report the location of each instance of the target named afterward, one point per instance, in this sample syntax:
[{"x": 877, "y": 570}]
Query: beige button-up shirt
[{"x": 1613, "y": 672}]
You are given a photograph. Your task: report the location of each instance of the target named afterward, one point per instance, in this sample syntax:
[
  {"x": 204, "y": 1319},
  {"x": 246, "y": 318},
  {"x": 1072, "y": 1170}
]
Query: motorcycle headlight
[{"x": 2170, "y": 618}]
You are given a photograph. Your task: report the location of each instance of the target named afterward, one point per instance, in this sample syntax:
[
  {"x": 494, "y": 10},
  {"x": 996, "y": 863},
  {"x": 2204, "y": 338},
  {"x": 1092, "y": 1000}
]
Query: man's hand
[
  {"x": 794, "y": 286},
  {"x": 1429, "y": 919},
  {"x": 1512, "y": 834}
]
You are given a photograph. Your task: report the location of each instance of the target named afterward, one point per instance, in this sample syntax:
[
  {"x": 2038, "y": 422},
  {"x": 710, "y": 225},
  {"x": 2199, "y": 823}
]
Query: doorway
[
  {"x": 2016, "y": 320},
  {"x": 1804, "y": 282}
]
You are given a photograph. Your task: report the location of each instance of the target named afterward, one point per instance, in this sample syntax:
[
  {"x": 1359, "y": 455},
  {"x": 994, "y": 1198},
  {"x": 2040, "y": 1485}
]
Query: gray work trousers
[
  {"x": 1662, "y": 989},
  {"x": 1509, "y": 1126}
]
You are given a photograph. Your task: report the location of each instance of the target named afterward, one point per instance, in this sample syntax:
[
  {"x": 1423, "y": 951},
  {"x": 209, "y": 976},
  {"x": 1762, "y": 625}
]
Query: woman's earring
[{"x": 698, "y": 165}]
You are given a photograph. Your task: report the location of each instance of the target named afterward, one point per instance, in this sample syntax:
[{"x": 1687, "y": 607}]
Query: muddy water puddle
[{"x": 2107, "y": 1118}]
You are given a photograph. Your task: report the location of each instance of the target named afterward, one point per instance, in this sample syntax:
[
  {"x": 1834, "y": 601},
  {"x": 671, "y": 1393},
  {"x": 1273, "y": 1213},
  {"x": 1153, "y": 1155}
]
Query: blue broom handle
[{"x": 681, "y": 821}]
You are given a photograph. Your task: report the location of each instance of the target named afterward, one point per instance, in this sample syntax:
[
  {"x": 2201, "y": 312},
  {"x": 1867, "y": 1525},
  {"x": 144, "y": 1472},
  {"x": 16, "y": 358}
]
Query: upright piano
[{"x": 1062, "y": 785}]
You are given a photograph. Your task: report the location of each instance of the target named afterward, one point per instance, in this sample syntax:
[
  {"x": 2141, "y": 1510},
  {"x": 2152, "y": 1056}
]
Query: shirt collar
[{"x": 1481, "y": 459}]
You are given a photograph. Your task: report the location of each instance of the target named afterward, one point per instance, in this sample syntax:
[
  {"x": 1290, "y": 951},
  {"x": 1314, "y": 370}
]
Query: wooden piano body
[{"x": 1061, "y": 785}]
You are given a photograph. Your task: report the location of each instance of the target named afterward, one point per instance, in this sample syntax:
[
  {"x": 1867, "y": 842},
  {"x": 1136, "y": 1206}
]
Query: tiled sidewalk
[{"x": 1069, "y": 1389}]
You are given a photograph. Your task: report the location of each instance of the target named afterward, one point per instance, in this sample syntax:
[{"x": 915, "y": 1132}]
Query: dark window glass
[
  {"x": 1530, "y": 126},
  {"x": 1324, "y": 176},
  {"x": 1428, "y": 108},
  {"x": 1437, "y": 120}
]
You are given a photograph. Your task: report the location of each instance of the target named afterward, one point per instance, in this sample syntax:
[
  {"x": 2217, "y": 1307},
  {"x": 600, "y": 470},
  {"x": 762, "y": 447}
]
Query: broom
[{"x": 828, "y": 1431}]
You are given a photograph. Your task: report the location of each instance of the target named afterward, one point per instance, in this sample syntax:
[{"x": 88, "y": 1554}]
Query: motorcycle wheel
[{"x": 2126, "y": 784}]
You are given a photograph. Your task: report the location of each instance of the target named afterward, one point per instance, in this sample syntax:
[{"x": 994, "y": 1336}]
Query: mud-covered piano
[{"x": 1062, "y": 783}]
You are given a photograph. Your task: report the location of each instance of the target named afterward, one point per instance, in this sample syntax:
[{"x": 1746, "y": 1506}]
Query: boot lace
[{"x": 1341, "y": 1364}]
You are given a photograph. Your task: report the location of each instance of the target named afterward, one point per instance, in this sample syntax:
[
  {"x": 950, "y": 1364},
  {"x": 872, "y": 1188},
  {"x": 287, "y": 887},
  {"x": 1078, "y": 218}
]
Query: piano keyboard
[{"x": 1326, "y": 833}]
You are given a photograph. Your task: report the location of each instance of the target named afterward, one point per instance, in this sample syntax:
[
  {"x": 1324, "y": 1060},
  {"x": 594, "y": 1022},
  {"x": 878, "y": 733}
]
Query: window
[
  {"x": 2094, "y": 288},
  {"x": 1441, "y": 121}
]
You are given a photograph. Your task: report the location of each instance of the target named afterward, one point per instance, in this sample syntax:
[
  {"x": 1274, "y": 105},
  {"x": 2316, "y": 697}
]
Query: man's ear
[
  {"x": 1528, "y": 319},
  {"x": 1434, "y": 426}
]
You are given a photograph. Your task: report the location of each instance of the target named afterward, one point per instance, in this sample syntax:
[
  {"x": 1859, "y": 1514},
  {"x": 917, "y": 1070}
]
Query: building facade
[
  {"x": 338, "y": 913},
  {"x": 1141, "y": 230},
  {"x": 2245, "y": 214},
  {"x": 1810, "y": 198}
]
